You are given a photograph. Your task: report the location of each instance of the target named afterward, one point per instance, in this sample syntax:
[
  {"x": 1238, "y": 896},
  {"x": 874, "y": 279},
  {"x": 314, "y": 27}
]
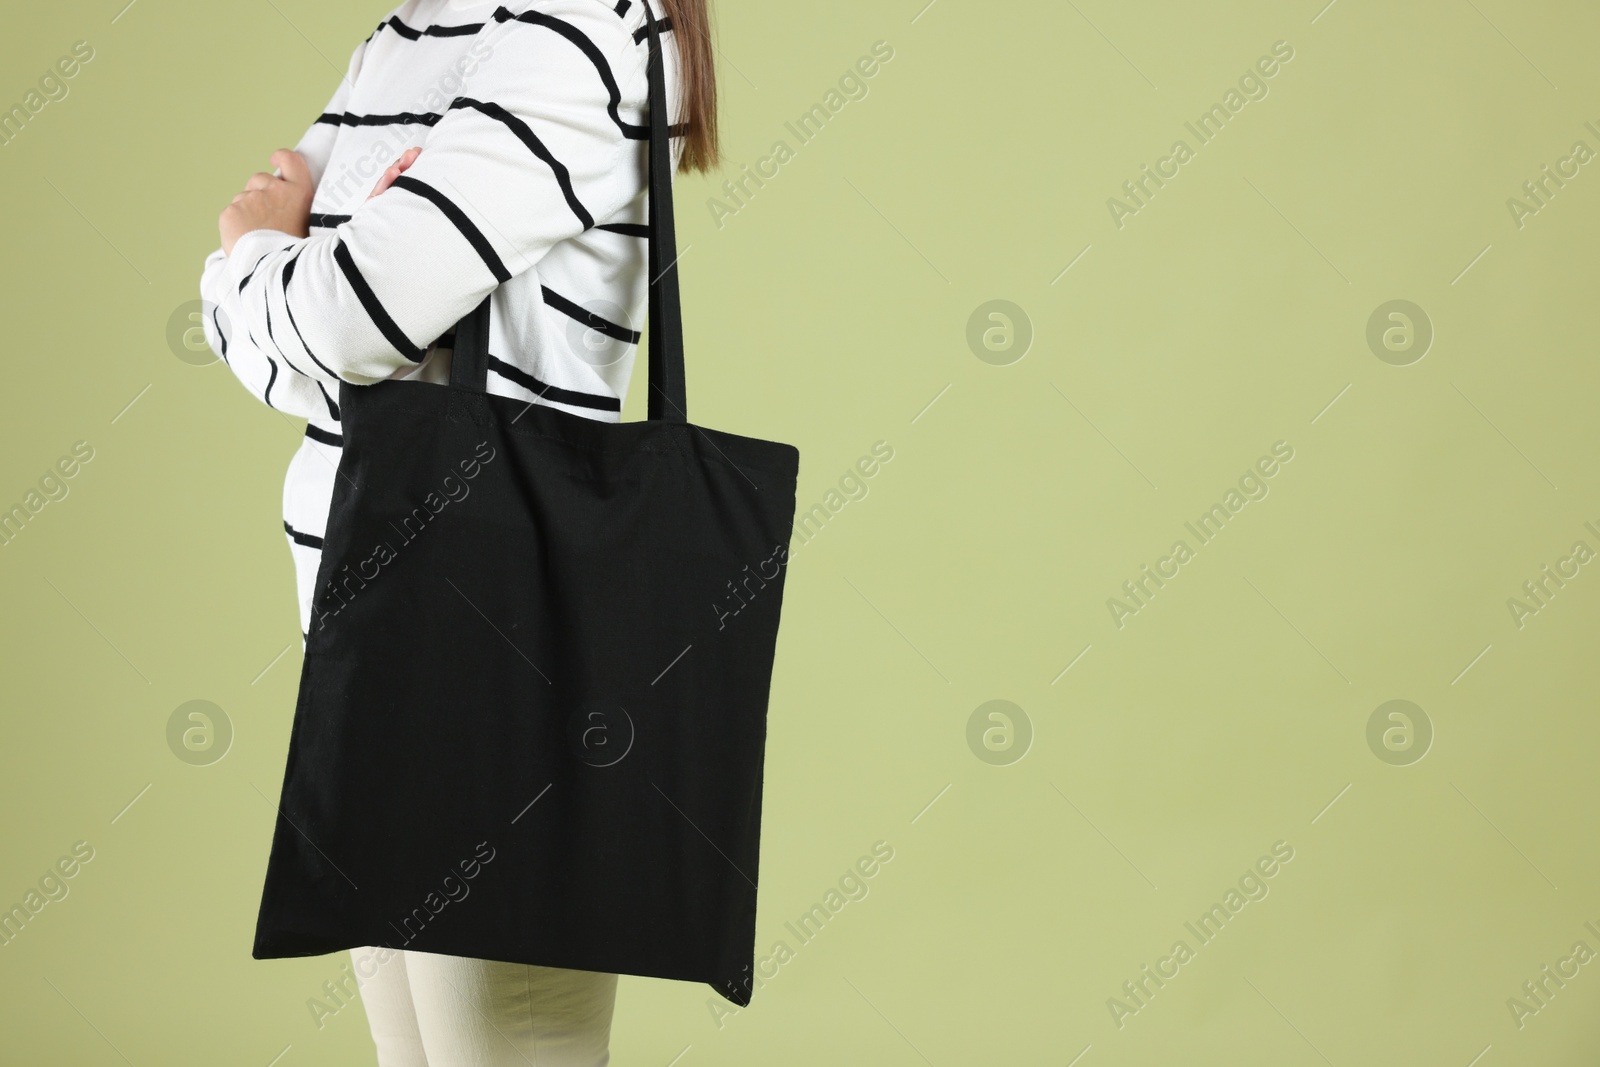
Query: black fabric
[{"x": 532, "y": 715}]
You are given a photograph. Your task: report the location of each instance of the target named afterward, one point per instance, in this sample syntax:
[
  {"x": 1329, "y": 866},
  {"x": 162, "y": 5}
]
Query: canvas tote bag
[{"x": 532, "y": 712}]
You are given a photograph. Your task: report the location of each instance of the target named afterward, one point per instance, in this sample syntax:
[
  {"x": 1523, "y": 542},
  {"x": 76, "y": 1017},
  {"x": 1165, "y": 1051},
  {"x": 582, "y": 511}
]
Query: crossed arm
[
  {"x": 284, "y": 203},
  {"x": 531, "y": 154}
]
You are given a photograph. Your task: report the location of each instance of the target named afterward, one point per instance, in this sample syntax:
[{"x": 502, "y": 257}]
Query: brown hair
[{"x": 691, "y": 31}]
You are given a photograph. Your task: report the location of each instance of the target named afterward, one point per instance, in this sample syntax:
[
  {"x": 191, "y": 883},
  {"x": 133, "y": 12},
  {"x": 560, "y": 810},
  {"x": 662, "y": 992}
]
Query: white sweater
[{"x": 532, "y": 184}]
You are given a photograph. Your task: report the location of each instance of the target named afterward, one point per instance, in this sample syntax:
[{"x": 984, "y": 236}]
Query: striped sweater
[{"x": 531, "y": 186}]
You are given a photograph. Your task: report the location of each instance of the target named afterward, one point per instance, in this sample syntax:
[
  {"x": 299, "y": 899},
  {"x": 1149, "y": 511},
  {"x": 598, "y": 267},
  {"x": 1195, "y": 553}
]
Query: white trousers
[{"x": 428, "y": 1010}]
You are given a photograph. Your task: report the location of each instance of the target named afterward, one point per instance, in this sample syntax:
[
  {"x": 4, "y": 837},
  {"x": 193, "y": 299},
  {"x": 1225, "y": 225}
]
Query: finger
[
  {"x": 293, "y": 166},
  {"x": 260, "y": 180},
  {"x": 396, "y": 168},
  {"x": 385, "y": 180}
]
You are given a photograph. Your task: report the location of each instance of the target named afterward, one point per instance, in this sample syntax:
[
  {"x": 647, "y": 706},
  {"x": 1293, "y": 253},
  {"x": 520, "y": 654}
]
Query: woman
[{"x": 516, "y": 137}]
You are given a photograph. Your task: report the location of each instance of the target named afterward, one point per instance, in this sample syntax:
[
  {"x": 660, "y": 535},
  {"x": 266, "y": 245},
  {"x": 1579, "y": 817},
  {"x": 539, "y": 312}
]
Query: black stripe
[
  {"x": 369, "y": 300},
  {"x": 403, "y": 118},
  {"x": 288, "y": 272},
  {"x": 474, "y": 236},
  {"x": 268, "y": 303},
  {"x": 252, "y": 273},
  {"x": 446, "y": 340},
  {"x": 333, "y": 409},
  {"x": 552, "y": 392},
  {"x": 588, "y": 318},
  {"x": 536, "y": 146},
  {"x": 266, "y": 394},
  {"x": 622, "y": 6},
  {"x": 596, "y": 58},
  {"x": 326, "y": 222},
  {"x": 220, "y": 335},
  {"x": 411, "y": 33},
  {"x": 631, "y": 229},
  {"x": 299, "y": 538},
  {"x": 662, "y": 24},
  {"x": 325, "y": 437}
]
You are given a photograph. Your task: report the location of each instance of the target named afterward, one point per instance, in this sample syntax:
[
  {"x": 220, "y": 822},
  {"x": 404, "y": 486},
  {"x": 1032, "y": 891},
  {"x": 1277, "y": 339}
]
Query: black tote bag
[{"x": 532, "y": 714}]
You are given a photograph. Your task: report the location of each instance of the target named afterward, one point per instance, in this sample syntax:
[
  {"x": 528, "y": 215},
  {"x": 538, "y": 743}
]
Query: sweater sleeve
[
  {"x": 265, "y": 378},
  {"x": 268, "y": 377},
  {"x": 530, "y": 154}
]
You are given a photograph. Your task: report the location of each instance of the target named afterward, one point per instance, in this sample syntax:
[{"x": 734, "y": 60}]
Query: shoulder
[
  {"x": 609, "y": 22},
  {"x": 616, "y": 27},
  {"x": 551, "y": 34}
]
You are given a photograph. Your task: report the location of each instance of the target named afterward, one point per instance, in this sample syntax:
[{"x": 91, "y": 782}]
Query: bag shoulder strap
[{"x": 668, "y": 400}]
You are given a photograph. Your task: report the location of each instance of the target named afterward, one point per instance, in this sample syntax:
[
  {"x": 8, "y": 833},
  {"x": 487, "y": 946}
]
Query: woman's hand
[{"x": 269, "y": 202}]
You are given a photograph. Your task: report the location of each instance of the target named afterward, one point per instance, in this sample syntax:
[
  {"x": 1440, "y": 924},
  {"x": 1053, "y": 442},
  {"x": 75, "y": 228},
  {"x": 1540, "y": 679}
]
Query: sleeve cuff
[
  {"x": 216, "y": 263},
  {"x": 248, "y": 250}
]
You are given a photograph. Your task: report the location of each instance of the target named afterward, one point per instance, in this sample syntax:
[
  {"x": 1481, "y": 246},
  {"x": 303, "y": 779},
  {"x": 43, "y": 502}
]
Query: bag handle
[{"x": 469, "y": 364}]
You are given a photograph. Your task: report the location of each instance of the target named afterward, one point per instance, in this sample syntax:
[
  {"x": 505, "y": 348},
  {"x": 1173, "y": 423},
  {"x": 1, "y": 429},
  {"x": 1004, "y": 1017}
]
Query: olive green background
[{"x": 832, "y": 311}]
